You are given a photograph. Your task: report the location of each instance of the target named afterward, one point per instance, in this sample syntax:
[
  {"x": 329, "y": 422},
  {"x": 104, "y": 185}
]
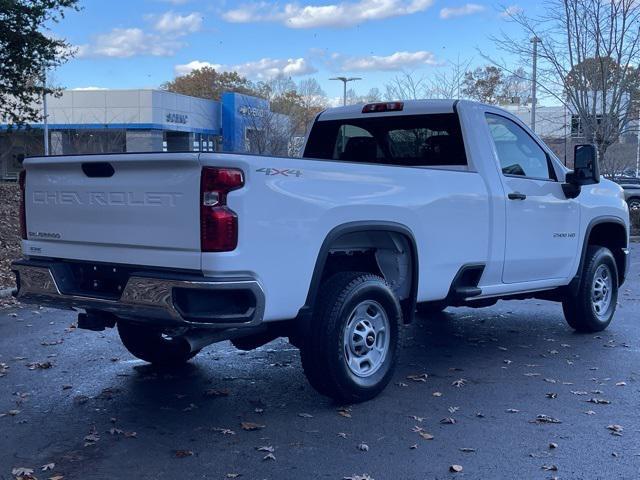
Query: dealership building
[{"x": 108, "y": 121}]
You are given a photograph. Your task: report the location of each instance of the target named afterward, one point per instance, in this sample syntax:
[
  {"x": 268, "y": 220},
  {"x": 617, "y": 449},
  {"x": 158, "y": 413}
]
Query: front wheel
[
  {"x": 154, "y": 346},
  {"x": 350, "y": 350},
  {"x": 592, "y": 308}
]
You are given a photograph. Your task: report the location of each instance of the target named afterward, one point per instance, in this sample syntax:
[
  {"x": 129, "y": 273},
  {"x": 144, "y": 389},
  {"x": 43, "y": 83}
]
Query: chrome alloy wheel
[
  {"x": 366, "y": 338},
  {"x": 601, "y": 291}
]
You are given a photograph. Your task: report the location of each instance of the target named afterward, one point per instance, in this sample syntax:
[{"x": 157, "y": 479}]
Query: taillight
[
  {"x": 22, "y": 179},
  {"x": 218, "y": 223}
]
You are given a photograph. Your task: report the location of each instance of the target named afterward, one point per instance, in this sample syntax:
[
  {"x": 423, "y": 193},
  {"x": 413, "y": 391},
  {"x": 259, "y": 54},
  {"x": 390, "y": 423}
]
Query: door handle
[{"x": 516, "y": 196}]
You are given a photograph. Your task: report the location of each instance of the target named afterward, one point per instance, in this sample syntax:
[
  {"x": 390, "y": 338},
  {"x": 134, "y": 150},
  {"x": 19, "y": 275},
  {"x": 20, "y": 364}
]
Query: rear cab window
[{"x": 430, "y": 140}]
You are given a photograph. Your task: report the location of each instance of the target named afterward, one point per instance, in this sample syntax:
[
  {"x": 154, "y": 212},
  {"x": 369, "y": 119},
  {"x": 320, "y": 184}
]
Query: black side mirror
[{"x": 586, "y": 170}]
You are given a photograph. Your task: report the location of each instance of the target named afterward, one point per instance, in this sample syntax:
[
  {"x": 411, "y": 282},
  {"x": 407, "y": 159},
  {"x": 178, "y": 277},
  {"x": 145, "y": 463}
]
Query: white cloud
[
  {"x": 170, "y": 22},
  {"x": 341, "y": 14},
  {"x": 466, "y": 9},
  {"x": 395, "y": 61},
  {"x": 510, "y": 11},
  {"x": 129, "y": 42},
  {"x": 263, "y": 69}
]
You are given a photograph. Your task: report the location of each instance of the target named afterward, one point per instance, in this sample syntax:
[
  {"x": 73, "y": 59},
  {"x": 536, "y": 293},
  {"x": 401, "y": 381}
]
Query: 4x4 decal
[{"x": 286, "y": 172}]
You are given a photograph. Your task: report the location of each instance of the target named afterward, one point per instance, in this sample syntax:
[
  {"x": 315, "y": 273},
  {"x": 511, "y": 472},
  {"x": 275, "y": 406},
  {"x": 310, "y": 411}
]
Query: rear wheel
[
  {"x": 350, "y": 350},
  {"x": 154, "y": 346},
  {"x": 592, "y": 308}
]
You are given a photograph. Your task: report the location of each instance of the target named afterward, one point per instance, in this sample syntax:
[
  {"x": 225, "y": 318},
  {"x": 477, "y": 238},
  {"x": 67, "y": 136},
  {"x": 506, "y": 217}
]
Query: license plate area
[{"x": 92, "y": 280}]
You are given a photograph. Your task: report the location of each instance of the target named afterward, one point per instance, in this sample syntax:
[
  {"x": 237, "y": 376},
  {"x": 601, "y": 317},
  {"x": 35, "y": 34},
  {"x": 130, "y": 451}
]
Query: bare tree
[
  {"x": 587, "y": 51},
  {"x": 449, "y": 81},
  {"x": 268, "y": 132},
  {"x": 312, "y": 101},
  {"x": 406, "y": 86}
]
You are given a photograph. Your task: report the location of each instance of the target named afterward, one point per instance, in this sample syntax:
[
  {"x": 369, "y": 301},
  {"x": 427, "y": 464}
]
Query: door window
[{"x": 519, "y": 154}]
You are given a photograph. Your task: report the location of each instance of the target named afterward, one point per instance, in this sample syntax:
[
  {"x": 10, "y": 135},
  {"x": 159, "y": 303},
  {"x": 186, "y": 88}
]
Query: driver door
[{"x": 541, "y": 223}]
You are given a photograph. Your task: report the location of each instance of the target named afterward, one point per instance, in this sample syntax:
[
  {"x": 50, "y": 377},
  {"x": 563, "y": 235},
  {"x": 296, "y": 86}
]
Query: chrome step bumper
[{"x": 147, "y": 296}]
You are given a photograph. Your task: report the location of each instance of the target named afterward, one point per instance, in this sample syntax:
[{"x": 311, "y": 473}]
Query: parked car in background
[{"x": 631, "y": 187}]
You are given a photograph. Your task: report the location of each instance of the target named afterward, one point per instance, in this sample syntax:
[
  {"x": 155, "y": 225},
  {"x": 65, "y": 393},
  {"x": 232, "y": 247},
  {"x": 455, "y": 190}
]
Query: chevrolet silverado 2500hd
[{"x": 394, "y": 206}]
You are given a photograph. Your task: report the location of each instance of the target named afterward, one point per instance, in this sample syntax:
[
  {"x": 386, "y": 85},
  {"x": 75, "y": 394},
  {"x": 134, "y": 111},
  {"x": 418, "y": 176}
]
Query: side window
[{"x": 519, "y": 154}]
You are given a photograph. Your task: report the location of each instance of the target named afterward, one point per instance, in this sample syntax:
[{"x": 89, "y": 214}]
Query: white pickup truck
[{"x": 397, "y": 205}]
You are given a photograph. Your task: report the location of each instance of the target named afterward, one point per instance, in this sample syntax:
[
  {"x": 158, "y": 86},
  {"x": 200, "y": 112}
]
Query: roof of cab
[{"x": 411, "y": 107}]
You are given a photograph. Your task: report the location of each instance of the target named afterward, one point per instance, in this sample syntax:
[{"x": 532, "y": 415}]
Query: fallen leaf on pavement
[
  {"x": 461, "y": 382},
  {"x": 544, "y": 419},
  {"x": 216, "y": 393},
  {"x": 305, "y": 415},
  {"x": 615, "y": 429},
  {"x": 467, "y": 450},
  {"x": 621, "y": 384},
  {"x": 266, "y": 448},
  {"x": 269, "y": 456},
  {"x": 40, "y": 365},
  {"x": 344, "y": 412},
  {"x": 363, "y": 447},
  {"x": 48, "y": 466},
  {"x": 250, "y": 426},
  {"x": 551, "y": 395},
  {"x": 21, "y": 471},
  {"x": 418, "y": 377},
  {"x": 550, "y": 468},
  {"x": 455, "y": 468},
  {"x": 553, "y": 445},
  {"x": 437, "y": 394},
  {"x": 513, "y": 410},
  {"x": 364, "y": 476},
  {"x": 233, "y": 475},
  {"x": 448, "y": 421},
  {"x": 599, "y": 401},
  {"x": 183, "y": 453},
  {"x": 425, "y": 435}
]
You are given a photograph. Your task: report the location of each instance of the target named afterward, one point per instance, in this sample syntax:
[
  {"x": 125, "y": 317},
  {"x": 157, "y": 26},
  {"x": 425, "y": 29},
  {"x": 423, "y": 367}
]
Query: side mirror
[{"x": 586, "y": 170}]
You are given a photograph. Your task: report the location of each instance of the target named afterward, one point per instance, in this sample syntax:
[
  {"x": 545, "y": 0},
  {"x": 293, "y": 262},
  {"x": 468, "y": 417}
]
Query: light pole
[
  {"x": 45, "y": 112},
  {"x": 534, "y": 79},
  {"x": 345, "y": 80}
]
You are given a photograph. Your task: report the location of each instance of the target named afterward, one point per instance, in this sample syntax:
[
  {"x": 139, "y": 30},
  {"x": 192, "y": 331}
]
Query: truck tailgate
[{"x": 131, "y": 208}]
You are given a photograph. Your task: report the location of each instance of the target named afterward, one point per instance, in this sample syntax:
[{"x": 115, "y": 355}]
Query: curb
[
  {"x": 7, "y": 292},
  {"x": 634, "y": 238}
]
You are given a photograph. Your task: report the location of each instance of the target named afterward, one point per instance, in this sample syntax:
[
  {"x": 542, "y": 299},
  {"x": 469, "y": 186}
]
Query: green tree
[
  {"x": 208, "y": 83},
  {"x": 483, "y": 84},
  {"x": 26, "y": 52}
]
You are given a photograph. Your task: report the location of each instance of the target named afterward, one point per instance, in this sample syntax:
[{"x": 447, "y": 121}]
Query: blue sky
[{"x": 142, "y": 43}]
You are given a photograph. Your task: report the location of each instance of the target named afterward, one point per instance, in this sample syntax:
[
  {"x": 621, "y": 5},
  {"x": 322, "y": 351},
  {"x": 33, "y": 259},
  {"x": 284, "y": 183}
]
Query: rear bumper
[{"x": 160, "y": 297}]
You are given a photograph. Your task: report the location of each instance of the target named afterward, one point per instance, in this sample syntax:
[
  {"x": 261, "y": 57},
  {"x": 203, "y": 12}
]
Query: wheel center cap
[{"x": 371, "y": 339}]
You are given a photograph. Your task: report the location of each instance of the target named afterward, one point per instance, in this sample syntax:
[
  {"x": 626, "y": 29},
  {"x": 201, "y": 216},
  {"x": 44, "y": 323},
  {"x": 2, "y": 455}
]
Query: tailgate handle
[{"x": 98, "y": 169}]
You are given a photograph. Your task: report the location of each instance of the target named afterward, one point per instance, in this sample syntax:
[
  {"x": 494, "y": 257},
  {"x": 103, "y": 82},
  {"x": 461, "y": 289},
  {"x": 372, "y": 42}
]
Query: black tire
[
  {"x": 634, "y": 204},
  {"x": 581, "y": 310},
  {"x": 431, "y": 308},
  {"x": 149, "y": 344},
  {"x": 324, "y": 353}
]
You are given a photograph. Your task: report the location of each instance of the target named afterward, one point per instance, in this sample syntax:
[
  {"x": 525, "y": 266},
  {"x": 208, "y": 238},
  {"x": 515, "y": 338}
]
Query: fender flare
[
  {"x": 575, "y": 282},
  {"x": 408, "y": 305}
]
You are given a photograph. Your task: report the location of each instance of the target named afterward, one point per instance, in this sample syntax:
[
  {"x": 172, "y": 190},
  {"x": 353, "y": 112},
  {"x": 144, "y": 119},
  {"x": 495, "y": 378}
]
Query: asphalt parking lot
[{"x": 504, "y": 392}]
